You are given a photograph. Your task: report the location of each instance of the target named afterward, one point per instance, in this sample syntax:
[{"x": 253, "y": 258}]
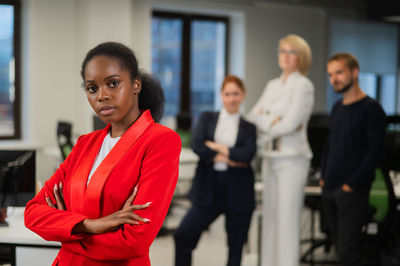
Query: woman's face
[
  {"x": 288, "y": 58},
  {"x": 232, "y": 97},
  {"x": 110, "y": 91}
]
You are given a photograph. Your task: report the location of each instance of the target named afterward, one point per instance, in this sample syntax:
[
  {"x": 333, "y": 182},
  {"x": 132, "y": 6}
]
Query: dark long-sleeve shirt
[{"x": 355, "y": 145}]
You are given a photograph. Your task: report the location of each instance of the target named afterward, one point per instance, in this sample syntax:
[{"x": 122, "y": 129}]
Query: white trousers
[{"x": 284, "y": 180}]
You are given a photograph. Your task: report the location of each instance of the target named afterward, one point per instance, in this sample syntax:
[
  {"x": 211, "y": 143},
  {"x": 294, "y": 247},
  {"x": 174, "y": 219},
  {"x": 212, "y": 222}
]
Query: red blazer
[{"x": 147, "y": 155}]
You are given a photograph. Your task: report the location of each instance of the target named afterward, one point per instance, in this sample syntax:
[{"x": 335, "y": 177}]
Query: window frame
[
  {"x": 17, "y": 79},
  {"x": 187, "y": 19}
]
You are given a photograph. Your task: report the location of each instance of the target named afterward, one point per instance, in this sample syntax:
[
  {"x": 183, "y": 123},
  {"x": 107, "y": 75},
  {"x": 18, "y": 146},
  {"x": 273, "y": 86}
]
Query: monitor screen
[
  {"x": 97, "y": 123},
  {"x": 17, "y": 177}
]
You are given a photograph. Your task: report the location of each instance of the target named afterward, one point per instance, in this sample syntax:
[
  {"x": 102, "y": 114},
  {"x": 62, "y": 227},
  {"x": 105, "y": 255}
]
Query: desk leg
[
  {"x": 13, "y": 260},
  {"x": 259, "y": 239},
  {"x": 7, "y": 254},
  {"x": 312, "y": 236},
  {"x": 308, "y": 256}
]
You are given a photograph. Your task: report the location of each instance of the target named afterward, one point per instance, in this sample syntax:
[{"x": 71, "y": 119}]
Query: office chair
[
  {"x": 391, "y": 254},
  {"x": 382, "y": 202},
  {"x": 382, "y": 198},
  {"x": 64, "y": 132},
  {"x": 392, "y": 149},
  {"x": 393, "y": 120},
  {"x": 98, "y": 123},
  {"x": 317, "y": 131}
]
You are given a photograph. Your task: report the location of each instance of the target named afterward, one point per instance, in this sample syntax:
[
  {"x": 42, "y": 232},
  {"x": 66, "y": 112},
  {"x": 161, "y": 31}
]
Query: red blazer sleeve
[
  {"x": 50, "y": 223},
  {"x": 157, "y": 181}
]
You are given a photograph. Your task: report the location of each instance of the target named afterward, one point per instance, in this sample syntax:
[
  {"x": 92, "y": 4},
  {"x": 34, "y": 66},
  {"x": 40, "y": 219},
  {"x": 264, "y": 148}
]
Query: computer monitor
[
  {"x": 17, "y": 177},
  {"x": 98, "y": 123}
]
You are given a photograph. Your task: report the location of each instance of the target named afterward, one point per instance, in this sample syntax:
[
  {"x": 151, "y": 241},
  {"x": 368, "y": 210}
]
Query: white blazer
[{"x": 292, "y": 101}]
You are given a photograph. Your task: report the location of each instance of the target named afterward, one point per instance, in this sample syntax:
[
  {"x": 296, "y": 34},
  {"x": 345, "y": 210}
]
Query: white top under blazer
[
  {"x": 292, "y": 101},
  {"x": 225, "y": 133}
]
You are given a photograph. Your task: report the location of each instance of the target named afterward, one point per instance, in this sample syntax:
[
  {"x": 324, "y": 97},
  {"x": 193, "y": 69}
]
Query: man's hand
[
  {"x": 347, "y": 188},
  {"x": 299, "y": 127},
  {"x": 276, "y": 120}
]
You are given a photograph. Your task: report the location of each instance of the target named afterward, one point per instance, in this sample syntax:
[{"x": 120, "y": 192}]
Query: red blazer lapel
[
  {"x": 80, "y": 176},
  {"x": 100, "y": 176}
]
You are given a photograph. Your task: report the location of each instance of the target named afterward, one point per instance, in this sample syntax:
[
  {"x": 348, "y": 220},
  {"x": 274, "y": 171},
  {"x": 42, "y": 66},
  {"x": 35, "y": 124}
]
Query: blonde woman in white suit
[{"x": 281, "y": 116}]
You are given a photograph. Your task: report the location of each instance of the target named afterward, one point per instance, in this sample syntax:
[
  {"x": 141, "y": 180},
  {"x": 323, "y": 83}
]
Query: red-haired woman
[{"x": 224, "y": 181}]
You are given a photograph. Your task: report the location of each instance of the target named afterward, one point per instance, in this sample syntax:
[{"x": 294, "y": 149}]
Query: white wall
[
  {"x": 265, "y": 25},
  {"x": 51, "y": 79},
  {"x": 57, "y": 35},
  {"x": 374, "y": 44},
  {"x": 261, "y": 25}
]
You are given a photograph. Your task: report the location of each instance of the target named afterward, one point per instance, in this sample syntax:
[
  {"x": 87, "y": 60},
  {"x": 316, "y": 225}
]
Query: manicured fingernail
[
  {"x": 149, "y": 203},
  {"x": 55, "y": 187},
  {"x": 60, "y": 184},
  {"x": 146, "y": 220}
]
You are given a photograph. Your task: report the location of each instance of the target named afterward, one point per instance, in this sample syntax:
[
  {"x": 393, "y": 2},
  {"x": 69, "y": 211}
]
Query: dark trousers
[
  {"x": 199, "y": 218},
  {"x": 346, "y": 214}
]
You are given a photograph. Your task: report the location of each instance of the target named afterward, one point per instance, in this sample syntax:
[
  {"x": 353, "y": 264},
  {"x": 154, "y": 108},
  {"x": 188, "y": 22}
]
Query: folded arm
[
  {"x": 299, "y": 109},
  {"x": 246, "y": 151},
  {"x": 51, "y": 223},
  {"x": 199, "y": 139},
  {"x": 257, "y": 115},
  {"x": 158, "y": 177}
]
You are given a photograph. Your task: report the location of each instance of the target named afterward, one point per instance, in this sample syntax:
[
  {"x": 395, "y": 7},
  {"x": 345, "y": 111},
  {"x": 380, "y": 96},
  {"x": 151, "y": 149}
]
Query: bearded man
[{"x": 355, "y": 148}]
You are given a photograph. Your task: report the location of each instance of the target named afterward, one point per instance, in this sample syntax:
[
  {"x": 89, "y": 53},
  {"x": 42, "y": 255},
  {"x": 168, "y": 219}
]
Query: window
[
  {"x": 378, "y": 60},
  {"x": 166, "y": 60},
  {"x": 388, "y": 93},
  {"x": 381, "y": 87},
  {"x": 189, "y": 57},
  {"x": 368, "y": 82},
  {"x": 9, "y": 73}
]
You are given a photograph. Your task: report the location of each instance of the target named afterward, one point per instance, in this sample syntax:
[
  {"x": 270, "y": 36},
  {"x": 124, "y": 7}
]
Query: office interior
[{"x": 56, "y": 34}]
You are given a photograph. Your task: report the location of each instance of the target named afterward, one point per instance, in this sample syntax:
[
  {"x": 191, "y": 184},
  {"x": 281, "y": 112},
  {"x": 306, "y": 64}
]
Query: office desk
[
  {"x": 27, "y": 247},
  {"x": 187, "y": 166},
  {"x": 312, "y": 191}
]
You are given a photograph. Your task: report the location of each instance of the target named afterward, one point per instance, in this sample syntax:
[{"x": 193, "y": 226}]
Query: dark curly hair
[{"x": 151, "y": 95}]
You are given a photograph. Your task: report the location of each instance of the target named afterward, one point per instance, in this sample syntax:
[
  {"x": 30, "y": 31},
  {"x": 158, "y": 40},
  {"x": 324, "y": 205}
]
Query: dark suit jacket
[{"x": 240, "y": 185}]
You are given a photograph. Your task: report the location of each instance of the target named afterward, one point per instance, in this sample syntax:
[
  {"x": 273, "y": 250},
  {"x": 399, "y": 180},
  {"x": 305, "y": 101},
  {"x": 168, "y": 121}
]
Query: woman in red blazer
[{"x": 108, "y": 199}]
